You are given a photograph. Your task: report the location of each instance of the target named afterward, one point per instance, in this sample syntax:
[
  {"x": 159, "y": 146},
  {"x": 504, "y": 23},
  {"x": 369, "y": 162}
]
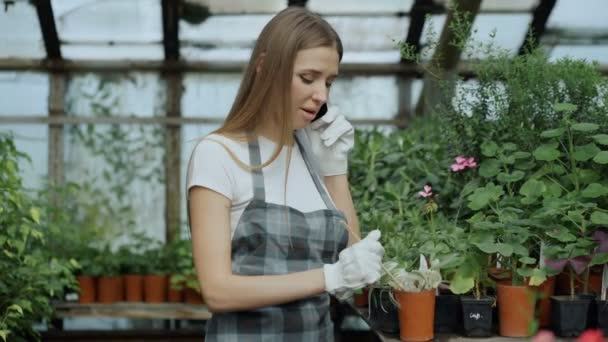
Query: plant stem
[{"x": 571, "y": 283}]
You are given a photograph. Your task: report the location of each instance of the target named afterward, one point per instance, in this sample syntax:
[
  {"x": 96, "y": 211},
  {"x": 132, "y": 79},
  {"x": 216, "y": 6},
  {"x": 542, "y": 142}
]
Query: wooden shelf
[{"x": 133, "y": 310}]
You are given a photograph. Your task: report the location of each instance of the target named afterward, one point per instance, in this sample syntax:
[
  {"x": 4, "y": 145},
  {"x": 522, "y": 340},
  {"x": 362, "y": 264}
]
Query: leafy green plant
[{"x": 30, "y": 278}]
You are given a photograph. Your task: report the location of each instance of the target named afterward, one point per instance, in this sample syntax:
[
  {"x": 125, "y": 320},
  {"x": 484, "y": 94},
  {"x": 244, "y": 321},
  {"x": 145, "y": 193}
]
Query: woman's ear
[{"x": 259, "y": 62}]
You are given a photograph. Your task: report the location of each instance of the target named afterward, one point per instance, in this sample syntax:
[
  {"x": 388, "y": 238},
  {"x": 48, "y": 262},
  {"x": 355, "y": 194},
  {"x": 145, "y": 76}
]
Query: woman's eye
[
  {"x": 306, "y": 80},
  {"x": 328, "y": 85}
]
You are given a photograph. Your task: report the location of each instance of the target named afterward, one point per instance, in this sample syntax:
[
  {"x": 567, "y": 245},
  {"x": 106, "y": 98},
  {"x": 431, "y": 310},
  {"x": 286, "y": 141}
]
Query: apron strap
[
  {"x": 257, "y": 178},
  {"x": 316, "y": 177}
]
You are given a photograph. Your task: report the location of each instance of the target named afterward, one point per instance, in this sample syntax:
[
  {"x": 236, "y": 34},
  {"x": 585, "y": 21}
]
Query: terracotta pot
[
  {"x": 110, "y": 289},
  {"x": 545, "y": 291},
  {"x": 515, "y": 310},
  {"x": 416, "y": 315},
  {"x": 134, "y": 287},
  {"x": 173, "y": 296},
  {"x": 155, "y": 288},
  {"x": 500, "y": 275},
  {"x": 88, "y": 291},
  {"x": 193, "y": 297},
  {"x": 361, "y": 300}
]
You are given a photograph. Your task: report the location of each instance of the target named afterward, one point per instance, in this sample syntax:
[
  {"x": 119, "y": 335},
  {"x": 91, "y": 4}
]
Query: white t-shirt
[{"x": 212, "y": 167}]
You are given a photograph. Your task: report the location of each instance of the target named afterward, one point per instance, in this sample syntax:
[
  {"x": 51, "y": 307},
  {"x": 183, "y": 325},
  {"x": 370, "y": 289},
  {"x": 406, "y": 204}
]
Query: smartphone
[{"x": 321, "y": 112}]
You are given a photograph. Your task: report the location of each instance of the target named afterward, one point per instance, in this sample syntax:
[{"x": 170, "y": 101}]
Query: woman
[{"x": 269, "y": 205}]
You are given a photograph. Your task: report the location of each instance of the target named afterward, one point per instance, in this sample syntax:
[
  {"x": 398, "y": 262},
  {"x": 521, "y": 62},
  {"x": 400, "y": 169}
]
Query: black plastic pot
[
  {"x": 383, "y": 313},
  {"x": 602, "y": 315},
  {"x": 477, "y": 316},
  {"x": 569, "y": 316},
  {"x": 448, "y": 313},
  {"x": 591, "y": 311}
]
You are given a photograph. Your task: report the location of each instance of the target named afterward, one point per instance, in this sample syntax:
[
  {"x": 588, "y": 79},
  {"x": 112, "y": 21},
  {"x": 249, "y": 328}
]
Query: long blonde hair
[{"x": 266, "y": 96}]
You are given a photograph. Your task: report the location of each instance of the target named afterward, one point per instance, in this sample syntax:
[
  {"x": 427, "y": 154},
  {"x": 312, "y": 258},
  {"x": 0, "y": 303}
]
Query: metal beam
[
  {"x": 56, "y": 105},
  {"x": 77, "y": 119},
  {"x": 49, "y": 30},
  {"x": 173, "y": 148},
  {"x": 171, "y": 29},
  {"x": 537, "y": 27},
  {"x": 418, "y": 14},
  {"x": 301, "y": 3}
]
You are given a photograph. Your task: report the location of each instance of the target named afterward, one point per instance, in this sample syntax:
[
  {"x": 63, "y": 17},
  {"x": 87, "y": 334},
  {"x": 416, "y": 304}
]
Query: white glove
[
  {"x": 357, "y": 266},
  {"x": 331, "y": 138}
]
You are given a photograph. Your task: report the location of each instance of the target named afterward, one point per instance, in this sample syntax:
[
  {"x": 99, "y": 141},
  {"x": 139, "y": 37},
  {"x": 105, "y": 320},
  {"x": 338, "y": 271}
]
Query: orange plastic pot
[
  {"x": 155, "y": 288},
  {"x": 192, "y": 296},
  {"x": 134, "y": 288},
  {"x": 110, "y": 289},
  {"x": 545, "y": 291},
  {"x": 416, "y": 315},
  {"x": 173, "y": 296},
  {"x": 88, "y": 291},
  {"x": 361, "y": 300},
  {"x": 515, "y": 310}
]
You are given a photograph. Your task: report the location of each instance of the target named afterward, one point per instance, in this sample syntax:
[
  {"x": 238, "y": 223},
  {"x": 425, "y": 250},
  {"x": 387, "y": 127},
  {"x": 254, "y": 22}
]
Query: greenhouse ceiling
[{"x": 218, "y": 34}]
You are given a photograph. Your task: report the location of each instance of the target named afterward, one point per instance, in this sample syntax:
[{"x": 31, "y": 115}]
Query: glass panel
[
  {"x": 502, "y": 5},
  {"x": 223, "y": 31},
  {"x": 20, "y": 34},
  {"x": 121, "y": 166},
  {"x": 113, "y": 52},
  {"x": 86, "y": 21},
  {"x": 24, "y": 93},
  {"x": 209, "y": 95},
  {"x": 120, "y": 94},
  {"x": 366, "y": 97},
  {"x": 370, "y": 33},
  {"x": 597, "y": 53},
  {"x": 360, "y": 6},
  {"x": 33, "y": 141},
  {"x": 240, "y": 6},
  {"x": 506, "y": 31},
  {"x": 578, "y": 14}
]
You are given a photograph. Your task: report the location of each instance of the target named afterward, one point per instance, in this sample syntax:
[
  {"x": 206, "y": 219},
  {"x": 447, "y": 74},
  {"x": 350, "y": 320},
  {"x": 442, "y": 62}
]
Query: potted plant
[
  {"x": 155, "y": 278},
  {"x": 133, "y": 265},
  {"x": 110, "y": 286}
]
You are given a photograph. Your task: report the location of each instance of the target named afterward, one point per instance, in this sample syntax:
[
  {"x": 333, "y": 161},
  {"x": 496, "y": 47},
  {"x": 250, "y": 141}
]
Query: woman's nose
[{"x": 320, "y": 94}]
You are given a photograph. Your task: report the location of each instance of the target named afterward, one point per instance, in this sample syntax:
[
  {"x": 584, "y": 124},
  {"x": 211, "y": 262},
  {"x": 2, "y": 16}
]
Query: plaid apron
[{"x": 264, "y": 244}]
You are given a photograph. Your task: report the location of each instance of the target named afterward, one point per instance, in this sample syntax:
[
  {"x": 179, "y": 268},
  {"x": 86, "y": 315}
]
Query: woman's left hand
[{"x": 332, "y": 137}]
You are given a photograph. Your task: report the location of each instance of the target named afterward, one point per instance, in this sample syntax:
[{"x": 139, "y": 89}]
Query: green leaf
[
  {"x": 585, "y": 152},
  {"x": 532, "y": 188},
  {"x": 538, "y": 277},
  {"x": 561, "y": 234},
  {"x": 601, "y": 158},
  {"x": 594, "y": 190},
  {"x": 461, "y": 284},
  {"x": 482, "y": 196},
  {"x": 487, "y": 247},
  {"x": 521, "y": 155},
  {"x": 15, "y": 307},
  {"x": 4, "y": 334},
  {"x": 564, "y": 107},
  {"x": 599, "y": 259},
  {"x": 489, "y": 148},
  {"x": 509, "y": 147},
  {"x": 504, "y": 249},
  {"x": 601, "y": 139},
  {"x": 585, "y": 127},
  {"x": 599, "y": 217},
  {"x": 553, "y": 133},
  {"x": 489, "y": 168},
  {"x": 546, "y": 152},
  {"x": 527, "y": 260},
  {"x": 510, "y": 178},
  {"x": 35, "y": 213}
]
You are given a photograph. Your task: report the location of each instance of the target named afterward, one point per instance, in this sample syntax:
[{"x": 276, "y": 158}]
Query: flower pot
[
  {"x": 448, "y": 313},
  {"x": 383, "y": 314},
  {"x": 545, "y": 291},
  {"x": 134, "y": 287},
  {"x": 416, "y": 315},
  {"x": 155, "y": 288},
  {"x": 591, "y": 311},
  {"x": 110, "y": 289},
  {"x": 192, "y": 296},
  {"x": 173, "y": 296},
  {"x": 515, "y": 310},
  {"x": 477, "y": 315},
  {"x": 568, "y": 316},
  {"x": 562, "y": 287},
  {"x": 500, "y": 275},
  {"x": 88, "y": 291},
  {"x": 602, "y": 315},
  {"x": 361, "y": 299}
]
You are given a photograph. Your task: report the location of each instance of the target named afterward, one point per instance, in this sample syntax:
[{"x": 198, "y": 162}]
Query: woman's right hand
[{"x": 357, "y": 265}]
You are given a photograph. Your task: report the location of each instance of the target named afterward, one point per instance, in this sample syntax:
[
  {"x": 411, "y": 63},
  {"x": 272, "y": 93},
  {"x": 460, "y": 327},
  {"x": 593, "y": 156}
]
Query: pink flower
[
  {"x": 427, "y": 191},
  {"x": 544, "y": 336},
  {"x": 463, "y": 163},
  {"x": 591, "y": 335}
]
